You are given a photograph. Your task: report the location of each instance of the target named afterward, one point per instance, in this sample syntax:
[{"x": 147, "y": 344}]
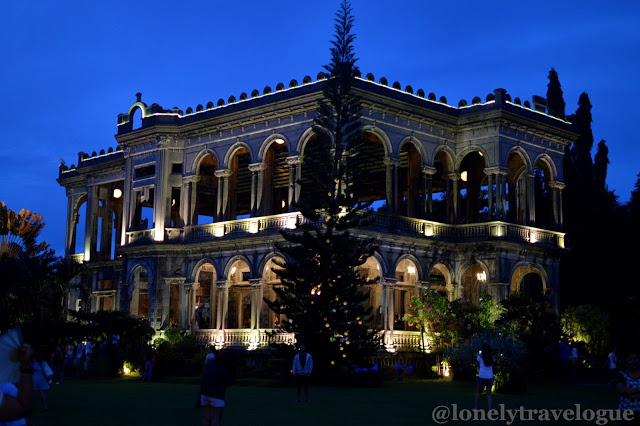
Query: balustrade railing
[{"x": 376, "y": 221}]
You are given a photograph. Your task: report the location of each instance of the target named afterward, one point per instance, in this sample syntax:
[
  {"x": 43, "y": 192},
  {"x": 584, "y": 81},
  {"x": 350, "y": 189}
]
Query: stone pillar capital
[
  {"x": 557, "y": 184},
  {"x": 293, "y": 160},
  {"x": 223, "y": 173},
  {"x": 257, "y": 167},
  {"x": 385, "y": 281},
  {"x": 391, "y": 161},
  {"x": 429, "y": 170},
  {"x": 191, "y": 179},
  {"x": 223, "y": 284},
  {"x": 256, "y": 282}
]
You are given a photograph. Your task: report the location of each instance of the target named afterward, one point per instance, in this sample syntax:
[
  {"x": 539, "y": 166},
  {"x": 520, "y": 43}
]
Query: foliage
[
  {"x": 447, "y": 322},
  {"x": 530, "y": 319},
  {"x": 178, "y": 354},
  {"x": 509, "y": 355},
  {"x": 588, "y": 324},
  {"x": 322, "y": 295},
  {"x": 34, "y": 281},
  {"x": 555, "y": 100}
]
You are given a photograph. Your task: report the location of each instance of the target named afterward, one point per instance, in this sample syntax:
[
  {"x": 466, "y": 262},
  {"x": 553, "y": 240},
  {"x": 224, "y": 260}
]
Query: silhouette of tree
[{"x": 555, "y": 101}]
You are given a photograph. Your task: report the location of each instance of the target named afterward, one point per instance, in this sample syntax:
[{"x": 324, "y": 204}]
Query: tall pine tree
[
  {"x": 322, "y": 295},
  {"x": 555, "y": 101}
]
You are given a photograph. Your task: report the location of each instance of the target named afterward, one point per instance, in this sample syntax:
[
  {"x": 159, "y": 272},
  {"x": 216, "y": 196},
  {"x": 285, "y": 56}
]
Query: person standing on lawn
[
  {"x": 628, "y": 385},
  {"x": 215, "y": 379},
  {"x": 485, "y": 374},
  {"x": 302, "y": 368}
]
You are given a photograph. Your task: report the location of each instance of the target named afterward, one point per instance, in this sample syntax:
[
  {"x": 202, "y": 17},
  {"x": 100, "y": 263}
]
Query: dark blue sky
[{"x": 68, "y": 70}]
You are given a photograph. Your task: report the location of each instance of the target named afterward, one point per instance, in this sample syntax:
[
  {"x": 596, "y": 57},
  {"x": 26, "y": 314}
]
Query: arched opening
[
  {"x": 441, "y": 210},
  {"x": 268, "y": 318},
  {"x": 275, "y": 192},
  {"x": 80, "y": 220},
  {"x": 316, "y": 175},
  {"x": 143, "y": 214},
  {"x": 473, "y": 187},
  {"x": 473, "y": 280},
  {"x": 410, "y": 192},
  {"x": 516, "y": 189},
  {"x": 543, "y": 195},
  {"x": 136, "y": 119},
  {"x": 239, "y": 308},
  {"x": 239, "y": 185},
  {"x": 405, "y": 287},
  {"x": 528, "y": 281},
  {"x": 206, "y": 191},
  {"x": 439, "y": 279},
  {"x": 371, "y": 270},
  {"x": 373, "y": 169},
  {"x": 205, "y": 297},
  {"x": 139, "y": 306}
]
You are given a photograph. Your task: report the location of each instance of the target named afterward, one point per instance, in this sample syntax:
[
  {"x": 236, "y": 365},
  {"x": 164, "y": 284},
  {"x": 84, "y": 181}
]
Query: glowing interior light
[
  {"x": 117, "y": 193},
  {"x": 233, "y": 270},
  {"x": 283, "y": 204},
  {"x": 481, "y": 154},
  {"x": 291, "y": 222},
  {"x": 411, "y": 270},
  {"x": 279, "y": 141},
  {"x": 482, "y": 276},
  {"x": 463, "y": 176},
  {"x": 173, "y": 202},
  {"x": 253, "y": 227}
]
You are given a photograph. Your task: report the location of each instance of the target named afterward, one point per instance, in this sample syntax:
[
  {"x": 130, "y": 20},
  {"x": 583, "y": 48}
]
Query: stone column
[
  {"x": 392, "y": 183},
  {"x": 257, "y": 286},
  {"x": 257, "y": 188},
  {"x": 188, "y": 200},
  {"x": 127, "y": 195},
  {"x": 389, "y": 283},
  {"x": 90, "y": 227},
  {"x": 223, "y": 193},
  {"x": 560, "y": 186},
  {"x": 162, "y": 200},
  {"x": 183, "y": 304},
  {"x": 454, "y": 178},
  {"x": 294, "y": 175},
  {"x": 531, "y": 199},
  {"x": 490, "y": 195},
  {"x": 427, "y": 188}
]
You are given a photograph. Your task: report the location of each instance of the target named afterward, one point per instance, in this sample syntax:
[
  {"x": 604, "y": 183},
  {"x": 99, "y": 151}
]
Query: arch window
[
  {"x": 410, "y": 189},
  {"x": 275, "y": 192},
  {"x": 473, "y": 281},
  {"x": 371, "y": 270},
  {"x": 268, "y": 318},
  {"x": 239, "y": 308},
  {"x": 240, "y": 185},
  {"x": 205, "y": 297},
  {"x": 405, "y": 287},
  {"x": 139, "y": 306},
  {"x": 473, "y": 187},
  {"x": 206, "y": 191}
]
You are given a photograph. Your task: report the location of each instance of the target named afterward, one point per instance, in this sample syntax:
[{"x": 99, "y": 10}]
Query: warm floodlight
[
  {"x": 463, "y": 176},
  {"x": 279, "y": 141},
  {"x": 117, "y": 193},
  {"x": 482, "y": 276}
]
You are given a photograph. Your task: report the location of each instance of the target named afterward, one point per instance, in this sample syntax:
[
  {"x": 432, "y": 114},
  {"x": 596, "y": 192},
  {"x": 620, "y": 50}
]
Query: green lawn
[{"x": 257, "y": 402}]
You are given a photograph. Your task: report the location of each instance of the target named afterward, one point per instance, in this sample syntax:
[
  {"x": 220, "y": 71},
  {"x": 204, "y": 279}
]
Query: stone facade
[{"x": 179, "y": 222}]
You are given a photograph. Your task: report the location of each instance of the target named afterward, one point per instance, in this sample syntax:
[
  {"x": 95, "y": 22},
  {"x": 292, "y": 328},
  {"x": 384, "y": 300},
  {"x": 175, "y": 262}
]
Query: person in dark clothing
[{"x": 213, "y": 386}]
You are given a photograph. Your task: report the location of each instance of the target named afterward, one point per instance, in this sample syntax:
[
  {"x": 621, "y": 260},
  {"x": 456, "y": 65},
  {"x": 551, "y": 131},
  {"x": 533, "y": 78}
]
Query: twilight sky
[{"x": 67, "y": 69}]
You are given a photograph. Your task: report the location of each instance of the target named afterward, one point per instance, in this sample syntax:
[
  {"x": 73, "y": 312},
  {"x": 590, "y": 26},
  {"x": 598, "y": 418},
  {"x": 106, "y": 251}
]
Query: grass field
[{"x": 126, "y": 401}]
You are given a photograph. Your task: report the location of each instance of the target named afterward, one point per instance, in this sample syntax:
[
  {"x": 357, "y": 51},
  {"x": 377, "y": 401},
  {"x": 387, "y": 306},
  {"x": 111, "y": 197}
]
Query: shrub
[
  {"x": 588, "y": 324},
  {"x": 509, "y": 355}
]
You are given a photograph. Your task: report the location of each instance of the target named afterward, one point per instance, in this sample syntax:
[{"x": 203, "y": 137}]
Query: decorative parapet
[{"x": 381, "y": 222}]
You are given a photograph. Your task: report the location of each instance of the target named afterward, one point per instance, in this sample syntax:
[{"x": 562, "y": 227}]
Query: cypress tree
[
  {"x": 322, "y": 295},
  {"x": 581, "y": 151},
  {"x": 600, "y": 165},
  {"x": 555, "y": 101}
]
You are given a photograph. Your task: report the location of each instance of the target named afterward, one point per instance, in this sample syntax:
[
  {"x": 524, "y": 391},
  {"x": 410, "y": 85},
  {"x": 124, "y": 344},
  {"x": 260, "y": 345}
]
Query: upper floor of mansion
[{"x": 237, "y": 167}]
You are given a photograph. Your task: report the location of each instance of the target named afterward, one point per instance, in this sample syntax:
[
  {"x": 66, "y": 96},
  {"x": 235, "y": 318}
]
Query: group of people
[{"x": 216, "y": 377}]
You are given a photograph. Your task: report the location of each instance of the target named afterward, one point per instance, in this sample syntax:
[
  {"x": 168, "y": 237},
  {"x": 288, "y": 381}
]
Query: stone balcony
[
  {"x": 495, "y": 230},
  {"x": 396, "y": 341}
]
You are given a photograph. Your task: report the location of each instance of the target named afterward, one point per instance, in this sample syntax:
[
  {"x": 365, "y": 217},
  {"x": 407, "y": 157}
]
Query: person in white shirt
[
  {"x": 485, "y": 374},
  {"x": 302, "y": 368}
]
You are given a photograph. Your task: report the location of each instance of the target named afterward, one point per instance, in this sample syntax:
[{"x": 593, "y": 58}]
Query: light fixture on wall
[
  {"x": 411, "y": 269},
  {"x": 117, "y": 193},
  {"x": 283, "y": 204},
  {"x": 233, "y": 270},
  {"x": 463, "y": 176},
  {"x": 279, "y": 141},
  {"x": 481, "y": 276}
]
